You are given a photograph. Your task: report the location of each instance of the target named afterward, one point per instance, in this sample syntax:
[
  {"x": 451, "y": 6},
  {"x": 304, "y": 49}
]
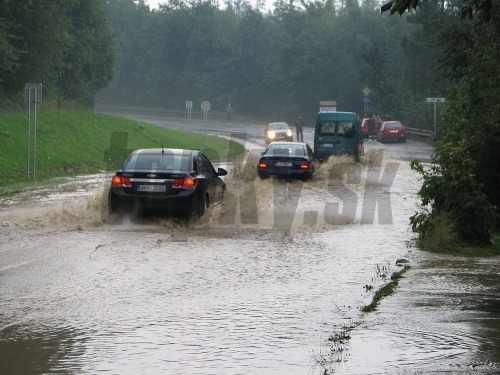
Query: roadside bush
[
  {"x": 440, "y": 232},
  {"x": 455, "y": 206}
]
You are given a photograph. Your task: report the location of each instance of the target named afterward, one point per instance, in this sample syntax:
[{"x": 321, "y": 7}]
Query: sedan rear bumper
[
  {"x": 285, "y": 173},
  {"x": 181, "y": 203}
]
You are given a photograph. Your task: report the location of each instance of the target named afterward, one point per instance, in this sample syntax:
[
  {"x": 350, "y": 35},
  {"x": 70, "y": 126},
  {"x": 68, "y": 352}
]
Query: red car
[{"x": 391, "y": 131}]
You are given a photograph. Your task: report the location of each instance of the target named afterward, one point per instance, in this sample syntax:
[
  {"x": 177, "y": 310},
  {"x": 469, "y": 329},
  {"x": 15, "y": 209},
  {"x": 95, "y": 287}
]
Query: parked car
[
  {"x": 291, "y": 160},
  {"x": 391, "y": 130},
  {"x": 179, "y": 182},
  {"x": 278, "y": 131}
]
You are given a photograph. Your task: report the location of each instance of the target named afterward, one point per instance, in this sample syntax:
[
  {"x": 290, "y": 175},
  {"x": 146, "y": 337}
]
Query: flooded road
[
  {"x": 273, "y": 282},
  {"x": 443, "y": 319}
]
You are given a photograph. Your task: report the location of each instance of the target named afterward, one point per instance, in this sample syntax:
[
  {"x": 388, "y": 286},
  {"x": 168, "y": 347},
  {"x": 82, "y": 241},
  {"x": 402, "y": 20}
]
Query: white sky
[{"x": 153, "y": 4}]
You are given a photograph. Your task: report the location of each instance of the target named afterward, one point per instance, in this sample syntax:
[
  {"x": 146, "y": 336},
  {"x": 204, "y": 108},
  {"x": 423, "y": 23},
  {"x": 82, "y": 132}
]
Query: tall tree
[
  {"x": 464, "y": 186},
  {"x": 43, "y": 38},
  {"x": 87, "y": 54}
]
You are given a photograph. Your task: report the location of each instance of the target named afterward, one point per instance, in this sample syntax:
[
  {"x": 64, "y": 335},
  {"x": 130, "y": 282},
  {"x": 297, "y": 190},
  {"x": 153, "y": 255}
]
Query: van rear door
[
  {"x": 337, "y": 133},
  {"x": 326, "y": 139}
]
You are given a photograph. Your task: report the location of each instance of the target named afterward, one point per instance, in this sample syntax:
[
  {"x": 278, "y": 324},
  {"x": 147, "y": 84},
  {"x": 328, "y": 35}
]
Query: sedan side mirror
[{"x": 221, "y": 172}]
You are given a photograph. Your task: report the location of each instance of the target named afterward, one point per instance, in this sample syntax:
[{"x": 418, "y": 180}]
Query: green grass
[
  {"x": 387, "y": 289},
  {"x": 463, "y": 250},
  {"x": 442, "y": 237},
  {"x": 72, "y": 143}
]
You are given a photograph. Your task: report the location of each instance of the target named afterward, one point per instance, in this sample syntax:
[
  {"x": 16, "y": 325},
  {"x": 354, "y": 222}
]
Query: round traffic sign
[{"x": 205, "y": 106}]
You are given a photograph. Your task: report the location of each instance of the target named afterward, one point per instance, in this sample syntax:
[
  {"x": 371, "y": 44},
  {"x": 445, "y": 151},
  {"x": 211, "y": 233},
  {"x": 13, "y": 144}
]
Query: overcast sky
[{"x": 154, "y": 3}]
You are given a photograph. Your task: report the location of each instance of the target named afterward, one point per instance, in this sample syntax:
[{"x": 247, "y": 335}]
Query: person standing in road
[
  {"x": 371, "y": 128},
  {"x": 229, "y": 111},
  {"x": 299, "y": 128}
]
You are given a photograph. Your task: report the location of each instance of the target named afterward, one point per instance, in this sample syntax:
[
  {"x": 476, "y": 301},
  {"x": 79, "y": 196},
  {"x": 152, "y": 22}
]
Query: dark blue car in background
[{"x": 291, "y": 160}]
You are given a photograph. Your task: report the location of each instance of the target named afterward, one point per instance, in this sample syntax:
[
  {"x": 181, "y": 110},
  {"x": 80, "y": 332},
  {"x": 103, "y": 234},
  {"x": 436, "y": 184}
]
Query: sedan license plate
[
  {"x": 393, "y": 131},
  {"x": 327, "y": 145},
  {"x": 152, "y": 188},
  {"x": 283, "y": 164}
]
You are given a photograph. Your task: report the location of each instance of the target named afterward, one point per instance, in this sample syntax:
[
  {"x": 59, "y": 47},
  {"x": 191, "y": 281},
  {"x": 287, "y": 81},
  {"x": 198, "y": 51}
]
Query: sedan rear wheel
[
  {"x": 199, "y": 208},
  {"x": 203, "y": 206},
  {"x": 205, "y": 210}
]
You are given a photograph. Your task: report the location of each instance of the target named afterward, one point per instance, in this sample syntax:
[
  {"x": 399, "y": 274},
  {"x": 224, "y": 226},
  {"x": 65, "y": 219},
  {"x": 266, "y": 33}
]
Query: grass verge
[
  {"x": 463, "y": 250},
  {"x": 387, "y": 289},
  {"x": 72, "y": 143}
]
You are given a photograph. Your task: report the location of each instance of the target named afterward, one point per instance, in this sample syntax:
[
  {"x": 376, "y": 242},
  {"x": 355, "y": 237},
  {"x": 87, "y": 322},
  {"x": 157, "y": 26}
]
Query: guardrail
[
  {"x": 422, "y": 133},
  {"x": 169, "y": 113}
]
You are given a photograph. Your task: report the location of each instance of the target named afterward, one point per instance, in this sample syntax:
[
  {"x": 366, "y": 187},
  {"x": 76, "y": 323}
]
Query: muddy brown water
[{"x": 270, "y": 283}]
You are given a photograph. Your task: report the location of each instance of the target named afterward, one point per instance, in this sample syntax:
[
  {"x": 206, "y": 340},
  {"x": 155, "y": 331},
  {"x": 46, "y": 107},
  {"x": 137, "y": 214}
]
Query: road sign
[
  {"x": 328, "y": 106},
  {"x": 435, "y": 100},
  {"x": 205, "y": 106},
  {"x": 33, "y": 93},
  {"x": 189, "y": 104},
  {"x": 366, "y": 91},
  {"x": 366, "y": 98}
]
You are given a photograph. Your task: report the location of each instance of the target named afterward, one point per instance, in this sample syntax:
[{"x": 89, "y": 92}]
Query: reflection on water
[
  {"x": 27, "y": 349},
  {"x": 262, "y": 294}
]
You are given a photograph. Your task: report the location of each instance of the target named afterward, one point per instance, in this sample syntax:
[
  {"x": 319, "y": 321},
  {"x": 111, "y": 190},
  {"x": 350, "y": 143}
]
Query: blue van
[{"x": 337, "y": 133}]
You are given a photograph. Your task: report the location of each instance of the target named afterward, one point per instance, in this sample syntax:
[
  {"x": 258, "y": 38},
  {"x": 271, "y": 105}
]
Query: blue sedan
[{"x": 290, "y": 160}]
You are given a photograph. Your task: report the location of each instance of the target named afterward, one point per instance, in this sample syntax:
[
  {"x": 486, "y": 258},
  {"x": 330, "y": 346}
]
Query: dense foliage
[
  {"x": 463, "y": 187},
  {"x": 272, "y": 65},
  {"x": 63, "y": 44}
]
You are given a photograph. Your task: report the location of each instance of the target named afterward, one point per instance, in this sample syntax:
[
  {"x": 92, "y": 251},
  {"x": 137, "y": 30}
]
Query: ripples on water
[{"x": 251, "y": 297}]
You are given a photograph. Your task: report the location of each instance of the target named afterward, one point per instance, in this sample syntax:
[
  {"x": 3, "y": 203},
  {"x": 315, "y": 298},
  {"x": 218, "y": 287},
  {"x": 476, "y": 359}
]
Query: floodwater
[{"x": 271, "y": 282}]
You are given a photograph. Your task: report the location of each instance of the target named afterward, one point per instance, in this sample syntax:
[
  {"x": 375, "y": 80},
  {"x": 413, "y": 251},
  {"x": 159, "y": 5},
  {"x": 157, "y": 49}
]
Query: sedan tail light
[
  {"x": 304, "y": 165},
  {"x": 262, "y": 164},
  {"x": 188, "y": 183},
  {"x": 120, "y": 181}
]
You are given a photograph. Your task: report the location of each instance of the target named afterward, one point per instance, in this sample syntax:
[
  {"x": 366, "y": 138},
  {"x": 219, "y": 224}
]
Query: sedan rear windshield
[
  {"x": 286, "y": 150},
  {"x": 393, "y": 125},
  {"x": 158, "y": 162}
]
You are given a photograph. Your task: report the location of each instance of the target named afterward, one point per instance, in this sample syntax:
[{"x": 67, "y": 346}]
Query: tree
[
  {"x": 463, "y": 185},
  {"x": 40, "y": 39},
  {"x": 87, "y": 54},
  {"x": 482, "y": 8}
]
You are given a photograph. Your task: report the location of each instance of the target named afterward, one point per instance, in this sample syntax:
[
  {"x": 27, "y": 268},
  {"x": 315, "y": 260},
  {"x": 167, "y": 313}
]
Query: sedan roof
[
  {"x": 284, "y": 143},
  {"x": 172, "y": 151}
]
